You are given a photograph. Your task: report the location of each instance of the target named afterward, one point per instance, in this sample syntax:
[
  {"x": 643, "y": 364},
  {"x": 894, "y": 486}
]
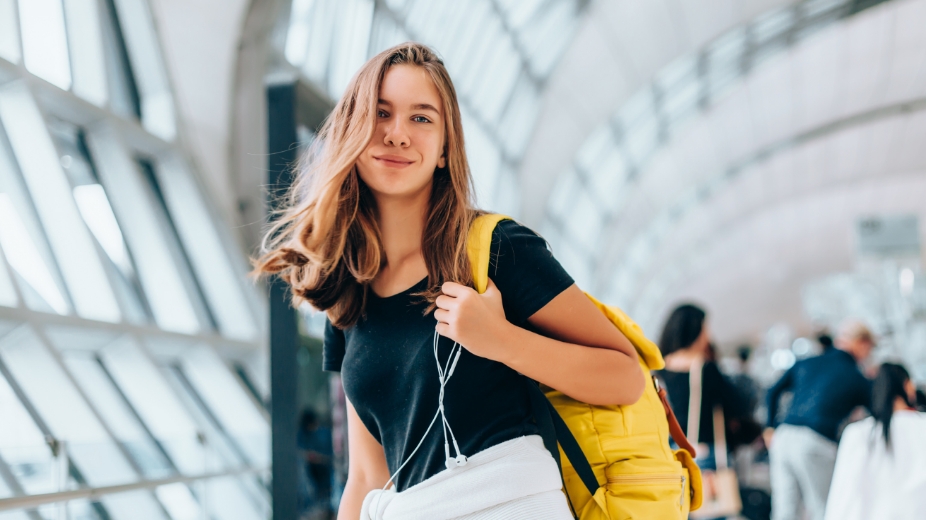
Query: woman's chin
[{"x": 400, "y": 190}]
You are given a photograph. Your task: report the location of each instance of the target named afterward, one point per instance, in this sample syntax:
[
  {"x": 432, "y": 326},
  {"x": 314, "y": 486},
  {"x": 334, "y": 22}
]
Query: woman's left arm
[{"x": 589, "y": 359}]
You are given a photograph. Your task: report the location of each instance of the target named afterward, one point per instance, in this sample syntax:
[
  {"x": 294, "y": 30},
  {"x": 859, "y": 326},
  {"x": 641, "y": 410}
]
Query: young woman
[
  {"x": 686, "y": 345},
  {"x": 375, "y": 234},
  {"x": 881, "y": 463}
]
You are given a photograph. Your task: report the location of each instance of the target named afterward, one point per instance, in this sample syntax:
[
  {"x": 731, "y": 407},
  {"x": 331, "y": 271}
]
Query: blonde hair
[{"x": 325, "y": 242}]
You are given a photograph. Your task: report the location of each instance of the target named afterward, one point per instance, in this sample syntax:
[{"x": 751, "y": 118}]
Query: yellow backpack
[{"x": 618, "y": 464}]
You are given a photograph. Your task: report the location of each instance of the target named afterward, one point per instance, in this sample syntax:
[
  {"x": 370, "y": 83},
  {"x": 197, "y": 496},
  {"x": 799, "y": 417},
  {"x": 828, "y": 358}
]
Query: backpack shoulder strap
[
  {"x": 552, "y": 427},
  {"x": 479, "y": 247}
]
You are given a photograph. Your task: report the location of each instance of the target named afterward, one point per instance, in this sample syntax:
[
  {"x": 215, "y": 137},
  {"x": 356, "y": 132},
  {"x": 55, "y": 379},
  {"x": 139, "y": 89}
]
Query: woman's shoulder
[
  {"x": 524, "y": 269},
  {"x": 860, "y": 429},
  {"x": 512, "y": 230},
  {"x": 910, "y": 419},
  {"x": 514, "y": 244}
]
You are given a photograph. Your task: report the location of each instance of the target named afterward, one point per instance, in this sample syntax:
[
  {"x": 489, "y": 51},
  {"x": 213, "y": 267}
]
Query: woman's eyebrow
[
  {"x": 417, "y": 106},
  {"x": 425, "y": 106}
]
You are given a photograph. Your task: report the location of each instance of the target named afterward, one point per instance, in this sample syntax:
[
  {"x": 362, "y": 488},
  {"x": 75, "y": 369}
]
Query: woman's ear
[{"x": 442, "y": 162}]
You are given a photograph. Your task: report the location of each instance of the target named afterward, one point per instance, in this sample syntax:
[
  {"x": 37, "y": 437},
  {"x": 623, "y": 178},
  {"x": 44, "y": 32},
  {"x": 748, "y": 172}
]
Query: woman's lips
[{"x": 393, "y": 161}]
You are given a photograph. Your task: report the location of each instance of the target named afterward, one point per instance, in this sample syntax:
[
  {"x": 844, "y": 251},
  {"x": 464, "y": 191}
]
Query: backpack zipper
[{"x": 652, "y": 479}]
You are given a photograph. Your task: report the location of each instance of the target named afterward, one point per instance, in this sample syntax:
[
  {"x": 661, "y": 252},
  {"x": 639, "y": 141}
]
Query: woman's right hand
[{"x": 367, "y": 469}]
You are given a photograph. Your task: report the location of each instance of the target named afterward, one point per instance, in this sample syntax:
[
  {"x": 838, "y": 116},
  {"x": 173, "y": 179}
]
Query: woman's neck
[
  {"x": 901, "y": 404},
  {"x": 681, "y": 360},
  {"x": 401, "y": 223}
]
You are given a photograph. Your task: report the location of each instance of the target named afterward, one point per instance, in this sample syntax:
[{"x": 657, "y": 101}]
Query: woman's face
[{"x": 408, "y": 143}]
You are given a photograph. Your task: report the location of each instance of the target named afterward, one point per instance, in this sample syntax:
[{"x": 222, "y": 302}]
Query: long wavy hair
[{"x": 325, "y": 241}]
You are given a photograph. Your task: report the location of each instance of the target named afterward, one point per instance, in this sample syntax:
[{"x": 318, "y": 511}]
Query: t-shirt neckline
[{"x": 406, "y": 292}]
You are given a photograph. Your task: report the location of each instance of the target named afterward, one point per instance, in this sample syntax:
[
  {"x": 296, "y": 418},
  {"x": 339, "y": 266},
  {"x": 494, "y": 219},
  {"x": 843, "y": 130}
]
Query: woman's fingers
[
  {"x": 442, "y": 316},
  {"x": 445, "y": 302}
]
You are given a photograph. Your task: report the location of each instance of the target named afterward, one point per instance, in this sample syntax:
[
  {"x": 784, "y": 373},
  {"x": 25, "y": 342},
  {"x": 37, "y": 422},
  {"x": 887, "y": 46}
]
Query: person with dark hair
[
  {"x": 686, "y": 347},
  {"x": 881, "y": 464},
  {"x": 826, "y": 389}
]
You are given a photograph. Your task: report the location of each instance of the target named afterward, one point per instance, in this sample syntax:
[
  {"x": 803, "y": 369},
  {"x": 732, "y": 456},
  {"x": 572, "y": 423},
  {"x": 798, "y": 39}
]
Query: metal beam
[{"x": 94, "y": 493}]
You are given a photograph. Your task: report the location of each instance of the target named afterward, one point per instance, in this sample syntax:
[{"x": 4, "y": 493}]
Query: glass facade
[{"x": 128, "y": 331}]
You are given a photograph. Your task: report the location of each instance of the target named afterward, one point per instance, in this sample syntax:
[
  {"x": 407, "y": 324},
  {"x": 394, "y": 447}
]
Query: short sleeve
[
  {"x": 333, "y": 348},
  {"x": 524, "y": 270}
]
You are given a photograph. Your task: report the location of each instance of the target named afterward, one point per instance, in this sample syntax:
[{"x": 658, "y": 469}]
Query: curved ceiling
[
  {"x": 759, "y": 194},
  {"x": 618, "y": 49}
]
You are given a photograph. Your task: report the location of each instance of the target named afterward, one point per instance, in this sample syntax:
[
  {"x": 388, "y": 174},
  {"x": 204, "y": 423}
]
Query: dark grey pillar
[{"x": 284, "y": 335}]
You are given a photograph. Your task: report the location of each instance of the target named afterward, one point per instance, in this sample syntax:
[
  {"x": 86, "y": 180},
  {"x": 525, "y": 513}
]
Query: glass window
[
  {"x": 224, "y": 449},
  {"x": 609, "y": 179},
  {"x": 584, "y": 222},
  {"x": 95, "y": 208},
  {"x": 137, "y": 213},
  {"x": 223, "y": 452},
  {"x": 226, "y": 399},
  {"x": 500, "y": 74},
  {"x": 520, "y": 12},
  {"x": 472, "y": 28},
  {"x": 773, "y": 25},
  {"x": 23, "y": 447},
  {"x": 123, "y": 92},
  {"x": 315, "y": 64},
  {"x": 549, "y": 36},
  {"x": 157, "y": 406},
  {"x": 68, "y": 417},
  {"x": 563, "y": 194},
  {"x": 224, "y": 499},
  {"x": 157, "y": 103},
  {"x": 642, "y": 140},
  {"x": 351, "y": 41},
  {"x": 221, "y": 281},
  {"x": 484, "y": 157},
  {"x": 179, "y": 502},
  {"x": 23, "y": 242},
  {"x": 589, "y": 156},
  {"x": 9, "y": 31},
  {"x": 45, "y": 47},
  {"x": 517, "y": 124},
  {"x": 96, "y": 458},
  {"x": 51, "y": 192},
  {"x": 86, "y": 43},
  {"x": 507, "y": 193},
  {"x": 297, "y": 36},
  {"x": 92, "y": 376},
  {"x": 480, "y": 55},
  {"x": 8, "y": 296}
]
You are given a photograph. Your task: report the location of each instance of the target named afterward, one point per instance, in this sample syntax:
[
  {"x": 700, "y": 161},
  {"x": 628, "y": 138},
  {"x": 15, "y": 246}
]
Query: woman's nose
[{"x": 396, "y": 135}]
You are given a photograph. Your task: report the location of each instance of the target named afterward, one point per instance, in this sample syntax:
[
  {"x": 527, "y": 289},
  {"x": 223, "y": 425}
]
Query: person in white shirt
[{"x": 881, "y": 463}]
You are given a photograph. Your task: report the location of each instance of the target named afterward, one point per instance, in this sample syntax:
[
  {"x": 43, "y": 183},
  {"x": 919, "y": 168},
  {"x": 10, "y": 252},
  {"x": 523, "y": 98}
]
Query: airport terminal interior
[{"x": 764, "y": 159}]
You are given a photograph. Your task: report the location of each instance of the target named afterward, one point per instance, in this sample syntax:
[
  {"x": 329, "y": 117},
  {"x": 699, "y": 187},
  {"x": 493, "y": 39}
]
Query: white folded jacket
[{"x": 517, "y": 479}]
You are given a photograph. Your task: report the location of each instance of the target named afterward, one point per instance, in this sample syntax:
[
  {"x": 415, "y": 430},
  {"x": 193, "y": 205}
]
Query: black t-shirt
[
  {"x": 716, "y": 389},
  {"x": 390, "y": 374}
]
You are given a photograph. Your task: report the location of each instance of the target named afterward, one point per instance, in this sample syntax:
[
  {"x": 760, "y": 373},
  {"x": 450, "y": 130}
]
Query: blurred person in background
[
  {"x": 685, "y": 345},
  {"x": 881, "y": 465},
  {"x": 802, "y": 450},
  {"x": 316, "y": 448}
]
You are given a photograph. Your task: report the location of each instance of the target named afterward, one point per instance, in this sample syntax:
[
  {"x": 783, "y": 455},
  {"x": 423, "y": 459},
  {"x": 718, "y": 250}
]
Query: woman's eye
[
  {"x": 421, "y": 119},
  {"x": 381, "y": 113}
]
